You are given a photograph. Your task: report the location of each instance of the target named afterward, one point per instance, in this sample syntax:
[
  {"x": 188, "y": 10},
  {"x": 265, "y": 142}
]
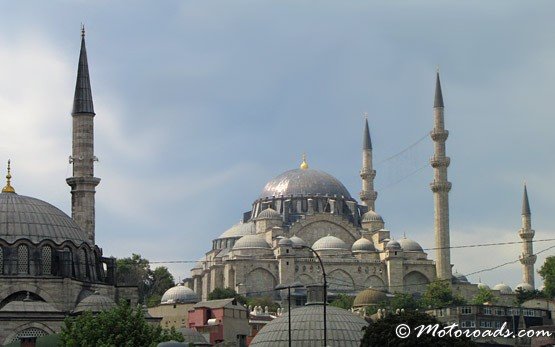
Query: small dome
[
  {"x": 179, "y": 294},
  {"x": 28, "y": 306},
  {"x": 285, "y": 242},
  {"x": 330, "y": 243},
  {"x": 524, "y": 287},
  {"x": 269, "y": 213},
  {"x": 483, "y": 286},
  {"x": 368, "y": 297},
  {"x": 191, "y": 336},
  {"x": 297, "y": 241},
  {"x": 459, "y": 278},
  {"x": 503, "y": 288},
  {"x": 238, "y": 230},
  {"x": 251, "y": 242},
  {"x": 393, "y": 245},
  {"x": 95, "y": 303},
  {"x": 371, "y": 216},
  {"x": 409, "y": 245},
  {"x": 363, "y": 245}
]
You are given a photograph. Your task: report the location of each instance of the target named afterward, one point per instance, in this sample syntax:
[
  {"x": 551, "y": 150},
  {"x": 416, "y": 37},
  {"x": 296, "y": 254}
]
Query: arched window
[
  {"x": 83, "y": 262},
  {"x": 70, "y": 264},
  {"x": 46, "y": 260},
  {"x": 1, "y": 260},
  {"x": 23, "y": 259}
]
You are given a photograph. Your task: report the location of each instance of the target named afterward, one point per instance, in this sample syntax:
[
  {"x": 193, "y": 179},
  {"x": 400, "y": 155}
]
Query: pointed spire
[
  {"x": 366, "y": 140},
  {"x": 82, "y": 101},
  {"x": 525, "y": 203},
  {"x": 304, "y": 164},
  {"x": 438, "y": 100},
  {"x": 8, "y": 188}
]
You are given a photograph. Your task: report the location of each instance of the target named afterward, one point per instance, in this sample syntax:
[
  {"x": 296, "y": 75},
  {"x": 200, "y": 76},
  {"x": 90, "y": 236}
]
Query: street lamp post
[
  {"x": 288, "y": 287},
  {"x": 325, "y": 290}
]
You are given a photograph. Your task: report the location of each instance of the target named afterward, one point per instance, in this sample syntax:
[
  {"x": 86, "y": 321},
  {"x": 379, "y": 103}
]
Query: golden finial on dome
[
  {"x": 8, "y": 188},
  {"x": 304, "y": 164}
]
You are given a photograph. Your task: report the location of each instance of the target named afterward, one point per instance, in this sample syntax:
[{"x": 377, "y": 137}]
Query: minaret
[
  {"x": 83, "y": 182},
  {"x": 368, "y": 195},
  {"x": 440, "y": 187},
  {"x": 527, "y": 258}
]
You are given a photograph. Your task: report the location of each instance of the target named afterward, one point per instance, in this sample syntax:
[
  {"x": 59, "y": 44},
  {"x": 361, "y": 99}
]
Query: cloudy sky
[{"x": 199, "y": 103}]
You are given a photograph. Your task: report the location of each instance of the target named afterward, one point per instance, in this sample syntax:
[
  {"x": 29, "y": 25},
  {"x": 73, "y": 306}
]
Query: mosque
[
  {"x": 50, "y": 266},
  {"x": 305, "y": 211}
]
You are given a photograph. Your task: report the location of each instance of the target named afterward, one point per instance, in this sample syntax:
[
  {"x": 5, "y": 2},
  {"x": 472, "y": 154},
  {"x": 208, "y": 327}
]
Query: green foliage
[
  {"x": 524, "y": 295},
  {"x": 226, "y": 293},
  {"x": 343, "y": 301},
  {"x": 483, "y": 295},
  {"x": 382, "y": 332},
  {"x": 151, "y": 283},
  {"x": 547, "y": 272},
  {"x": 120, "y": 326},
  {"x": 438, "y": 294},
  {"x": 404, "y": 301},
  {"x": 263, "y": 301}
]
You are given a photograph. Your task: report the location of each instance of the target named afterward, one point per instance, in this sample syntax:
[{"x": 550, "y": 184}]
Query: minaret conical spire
[
  {"x": 438, "y": 99},
  {"x": 366, "y": 140},
  {"x": 82, "y": 100},
  {"x": 367, "y": 195},
  {"x": 526, "y": 233},
  {"x": 525, "y": 203}
]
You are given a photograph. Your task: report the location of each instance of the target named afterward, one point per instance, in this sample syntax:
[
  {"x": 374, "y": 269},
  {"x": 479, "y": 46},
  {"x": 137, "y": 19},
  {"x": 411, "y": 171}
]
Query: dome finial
[
  {"x": 304, "y": 164},
  {"x": 82, "y": 30},
  {"x": 8, "y": 188}
]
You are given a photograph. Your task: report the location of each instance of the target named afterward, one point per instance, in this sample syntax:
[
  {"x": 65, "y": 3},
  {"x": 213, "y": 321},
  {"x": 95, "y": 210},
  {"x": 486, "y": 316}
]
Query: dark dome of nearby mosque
[
  {"x": 23, "y": 217},
  {"x": 191, "y": 336},
  {"x": 459, "y": 278},
  {"x": 368, "y": 297},
  {"x": 179, "y": 295},
  {"x": 95, "y": 303},
  {"x": 344, "y": 328},
  {"x": 305, "y": 182}
]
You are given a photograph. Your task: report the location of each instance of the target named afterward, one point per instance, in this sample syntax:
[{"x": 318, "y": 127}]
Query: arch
[
  {"x": 340, "y": 281},
  {"x": 415, "y": 282},
  {"x": 28, "y": 288},
  {"x": 374, "y": 282},
  {"x": 306, "y": 279},
  {"x": 313, "y": 230},
  {"x": 33, "y": 325},
  {"x": 22, "y": 259},
  {"x": 260, "y": 282}
]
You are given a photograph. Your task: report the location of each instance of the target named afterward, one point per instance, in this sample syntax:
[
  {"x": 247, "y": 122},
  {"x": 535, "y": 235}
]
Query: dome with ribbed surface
[
  {"x": 251, "y": 242},
  {"x": 524, "y": 287},
  {"x": 393, "y": 245},
  {"x": 297, "y": 241},
  {"x": 305, "y": 182},
  {"x": 344, "y": 328},
  {"x": 285, "y": 242},
  {"x": 459, "y": 278},
  {"x": 179, "y": 295},
  {"x": 95, "y": 303},
  {"x": 409, "y": 245},
  {"x": 238, "y": 230},
  {"x": 503, "y": 288},
  {"x": 23, "y": 217},
  {"x": 371, "y": 216},
  {"x": 269, "y": 213},
  {"x": 191, "y": 336},
  {"x": 363, "y": 245},
  {"x": 330, "y": 243},
  {"x": 369, "y": 297}
]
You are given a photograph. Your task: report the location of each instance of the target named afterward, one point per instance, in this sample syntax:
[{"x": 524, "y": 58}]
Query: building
[
  {"x": 50, "y": 266},
  {"x": 174, "y": 307},
  {"x": 221, "y": 320}
]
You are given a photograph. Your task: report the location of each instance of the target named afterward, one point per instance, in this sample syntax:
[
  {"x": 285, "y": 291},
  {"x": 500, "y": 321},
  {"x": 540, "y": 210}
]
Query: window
[
  {"x": 466, "y": 310},
  {"x": 1, "y": 260},
  {"x": 498, "y": 324},
  {"x": 46, "y": 260},
  {"x": 23, "y": 259},
  {"x": 487, "y": 310},
  {"x": 468, "y": 324},
  {"x": 83, "y": 262},
  {"x": 485, "y": 324},
  {"x": 499, "y": 311}
]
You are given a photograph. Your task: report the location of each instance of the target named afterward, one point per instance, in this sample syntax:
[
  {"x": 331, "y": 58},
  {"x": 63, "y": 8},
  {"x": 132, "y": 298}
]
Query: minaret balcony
[
  {"x": 436, "y": 161},
  {"x": 437, "y": 186},
  {"x": 526, "y": 234},
  {"x": 368, "y": 195},
  {"x": 366, "y": 174},
  {"x": 527, "y": 259},
  {"x": 439, "y": 135}
]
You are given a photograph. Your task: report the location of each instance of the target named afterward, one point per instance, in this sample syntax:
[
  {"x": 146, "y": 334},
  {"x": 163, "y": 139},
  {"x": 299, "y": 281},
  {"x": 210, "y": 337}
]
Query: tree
[
  {"x": 120, "y": 326},
  {"x": 226, "y": 293},
  {"x": 525, "y": 295},
  {"x": 404, "y": 301},
  {"x": 382, "y": 332},
  {"x": 484, "y": 295},
  {"x": 263, "y": 301},
  {"x": 343, "y": 301},
  {"x": 151, "y": 283},
  {"x": 438, "y": 294},
  {"x": 547, "y": 272}
]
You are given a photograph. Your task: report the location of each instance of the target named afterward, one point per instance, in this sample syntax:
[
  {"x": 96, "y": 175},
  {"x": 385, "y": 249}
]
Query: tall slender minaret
[
  {"x": 368, "y": 195},
  {"x": 83, "y": 182},
  {"x": 440, "y": 187},
  {"x": 526, "y": 233}
]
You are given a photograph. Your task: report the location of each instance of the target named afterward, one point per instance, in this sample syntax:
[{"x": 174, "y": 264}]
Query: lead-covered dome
[
  {"x": 251, "y": 242},
  {"x": 503, "y": 288},
  {"x": 305, "y": 182},
  {"x": 238, "y": 230},
  {"x": 95, "y": 303},
  {"x": 409, "y": 245},
  {"x": 329, "y": 242},
  {"x": 23, "y": 217},
  {"x": 363, "y": 245},
  {"x": 179, "y": 295}
]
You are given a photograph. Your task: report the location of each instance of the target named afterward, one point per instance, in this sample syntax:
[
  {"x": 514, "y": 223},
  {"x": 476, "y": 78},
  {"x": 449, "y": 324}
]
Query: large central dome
[
  {"x": 23, "y": 217},
  {"x": 305, "y": 182}
]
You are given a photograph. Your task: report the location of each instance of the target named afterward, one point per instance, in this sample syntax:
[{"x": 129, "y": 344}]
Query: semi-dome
[
  {"x": 371, "y": 216},
  {"x": 238, "y": 230},
  {"x": 95, "y": 303},
  {"x": 179, "y": 294},
  {"x": 369, "y": 297},
  {"x": 297, "y": 241},
  {"x": 503, "y": 288},
  {"x": 23, "y": 217},
  {"x": 330, "y": 243},
  {"x": 363, "y": 245},
  {"x": 269, "y": 213},
  {"x": 305, "y": 182},
  {"x": 524, "y": 287},
  {"x": 409, "y": 245},
  {"x": 344, "y": 328},
  {"x": 251, "y": 242}
]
